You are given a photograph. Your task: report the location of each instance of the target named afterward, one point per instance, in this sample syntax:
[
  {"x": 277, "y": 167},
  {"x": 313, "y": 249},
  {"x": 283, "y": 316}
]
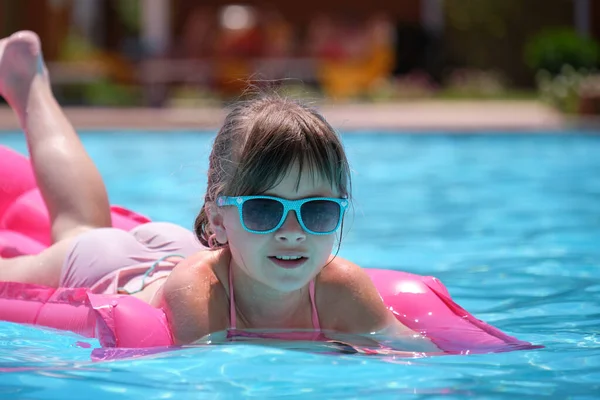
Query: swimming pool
[{"x": 510, "y": 223}]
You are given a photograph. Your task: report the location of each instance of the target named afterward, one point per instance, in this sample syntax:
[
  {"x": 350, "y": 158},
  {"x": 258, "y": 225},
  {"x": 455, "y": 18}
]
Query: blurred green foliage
[
  {"x": 571, "y": 91},
  {"x": 110, "y": 94},
  {"x": 129, "y": 12},
  {"x": 552, "y": 49},
  {"x": 565, "y": 69},
  {"x": 560, "y": 90}
]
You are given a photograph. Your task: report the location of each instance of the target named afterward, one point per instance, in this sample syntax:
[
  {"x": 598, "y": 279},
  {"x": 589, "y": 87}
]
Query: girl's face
[{"x": 259, "y": 255}]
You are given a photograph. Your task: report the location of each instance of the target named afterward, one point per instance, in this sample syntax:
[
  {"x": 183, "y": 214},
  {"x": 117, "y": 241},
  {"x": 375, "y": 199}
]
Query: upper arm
[
  {"x": 353, "y": 305},
  {"x": 187, "y": 297},
  {"x": 350, "y": 301}
]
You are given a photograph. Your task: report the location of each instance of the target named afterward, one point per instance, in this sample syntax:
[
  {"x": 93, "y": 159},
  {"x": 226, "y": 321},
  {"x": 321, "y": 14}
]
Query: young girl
[{"x": 278, "y": 189}]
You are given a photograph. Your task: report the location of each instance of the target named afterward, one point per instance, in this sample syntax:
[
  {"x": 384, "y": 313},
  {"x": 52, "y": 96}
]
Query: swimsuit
[
  {"x": 233, "y": 332},
  {"x": 312, "y": 336},
  {"x": 111, "y": 261}
]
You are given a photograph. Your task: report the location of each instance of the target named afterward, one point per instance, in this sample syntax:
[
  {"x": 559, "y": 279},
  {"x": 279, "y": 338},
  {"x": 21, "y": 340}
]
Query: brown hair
[{"x": 260, "y": 141}]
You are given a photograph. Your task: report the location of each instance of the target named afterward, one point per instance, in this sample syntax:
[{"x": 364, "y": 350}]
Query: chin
[{"x": 289, "y": 283}]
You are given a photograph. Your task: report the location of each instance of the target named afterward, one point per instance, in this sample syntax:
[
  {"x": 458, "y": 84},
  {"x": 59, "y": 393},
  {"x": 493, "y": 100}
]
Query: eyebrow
[{"x": 314, "y": 194}]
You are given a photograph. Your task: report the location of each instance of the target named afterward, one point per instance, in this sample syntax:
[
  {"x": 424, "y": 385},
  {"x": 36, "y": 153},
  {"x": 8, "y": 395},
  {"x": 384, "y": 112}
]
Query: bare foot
[{"x": 20, "y": 63}]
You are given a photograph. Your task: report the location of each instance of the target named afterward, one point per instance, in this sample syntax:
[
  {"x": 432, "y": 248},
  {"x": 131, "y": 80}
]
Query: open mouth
[{"x": 288, "y": 262}]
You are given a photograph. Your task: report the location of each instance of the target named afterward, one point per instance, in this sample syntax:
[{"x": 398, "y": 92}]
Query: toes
[
  {"x": 29, "y": 38},
  {"x": 18, "y": 39},
  {"x": 20, "y": 61}
]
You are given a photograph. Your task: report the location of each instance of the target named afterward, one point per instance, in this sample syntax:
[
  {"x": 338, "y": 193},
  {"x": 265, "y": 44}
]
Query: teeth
[{"x": 288, "y": 257}]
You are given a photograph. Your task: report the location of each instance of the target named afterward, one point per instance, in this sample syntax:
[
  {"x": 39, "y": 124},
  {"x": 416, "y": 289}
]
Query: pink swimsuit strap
[{"x": 232, "y": 313}]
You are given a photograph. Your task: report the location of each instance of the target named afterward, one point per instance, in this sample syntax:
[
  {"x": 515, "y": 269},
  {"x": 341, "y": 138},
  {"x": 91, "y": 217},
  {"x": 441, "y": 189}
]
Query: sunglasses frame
[{"x": 288, "y": 205}]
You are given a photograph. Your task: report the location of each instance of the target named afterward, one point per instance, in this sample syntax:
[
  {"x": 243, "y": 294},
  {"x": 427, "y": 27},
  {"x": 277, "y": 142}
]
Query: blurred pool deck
[{"x": 459, "y": 116}]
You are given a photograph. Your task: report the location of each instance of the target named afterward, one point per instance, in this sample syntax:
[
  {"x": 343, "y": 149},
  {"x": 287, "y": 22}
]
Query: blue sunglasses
[{"x": 266, "y": 214}]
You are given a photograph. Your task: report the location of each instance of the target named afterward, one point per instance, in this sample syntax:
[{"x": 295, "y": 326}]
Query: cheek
[
  {"x": 242, "y": 240},
  {"x": 324, "y": 245},
  {"x": 231, "y": 219},
  {"x": 233, "y": 227}
]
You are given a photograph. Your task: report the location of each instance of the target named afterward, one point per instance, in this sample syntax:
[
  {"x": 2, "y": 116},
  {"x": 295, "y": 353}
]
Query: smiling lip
[{"x": 288, "y": 264}]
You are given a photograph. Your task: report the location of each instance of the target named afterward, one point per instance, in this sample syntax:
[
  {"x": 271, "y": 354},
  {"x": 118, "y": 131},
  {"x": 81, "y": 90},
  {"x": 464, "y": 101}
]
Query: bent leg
[{"x": 69, "y": 181}]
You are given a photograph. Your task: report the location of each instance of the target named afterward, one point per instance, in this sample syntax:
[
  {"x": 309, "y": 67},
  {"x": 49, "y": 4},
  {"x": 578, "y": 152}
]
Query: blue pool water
[{"x": 510, "y": 223}]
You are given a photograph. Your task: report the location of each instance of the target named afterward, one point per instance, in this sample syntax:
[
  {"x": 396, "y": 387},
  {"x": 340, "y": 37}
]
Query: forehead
[{"x": 298, "y": 184}]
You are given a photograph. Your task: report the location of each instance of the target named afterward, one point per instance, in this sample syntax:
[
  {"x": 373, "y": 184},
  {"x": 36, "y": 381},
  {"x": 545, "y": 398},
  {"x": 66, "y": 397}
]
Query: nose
[{"x": 290, "y": 231}]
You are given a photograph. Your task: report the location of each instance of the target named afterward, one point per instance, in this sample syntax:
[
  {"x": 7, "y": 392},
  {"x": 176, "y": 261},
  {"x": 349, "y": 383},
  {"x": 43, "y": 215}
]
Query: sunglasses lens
[
  {"x": 320, "y": 215},
  {"x": 261, "y": 214}
]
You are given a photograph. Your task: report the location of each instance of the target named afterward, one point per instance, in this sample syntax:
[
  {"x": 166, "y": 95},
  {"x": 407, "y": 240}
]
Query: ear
[{"x": 215, "y": 219}]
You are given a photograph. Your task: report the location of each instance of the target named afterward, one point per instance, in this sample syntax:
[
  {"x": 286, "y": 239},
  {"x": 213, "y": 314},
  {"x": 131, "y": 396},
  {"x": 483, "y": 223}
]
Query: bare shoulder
[
  {"x": 341, "y": 276},
  {"x": 347, "y": 299},
  {"x": 194, "y": 272},
  {"x": 194, "y": 298}
]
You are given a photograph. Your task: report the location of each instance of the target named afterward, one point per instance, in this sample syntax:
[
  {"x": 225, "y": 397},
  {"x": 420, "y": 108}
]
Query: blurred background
[{"x": 169, "y": 53}]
